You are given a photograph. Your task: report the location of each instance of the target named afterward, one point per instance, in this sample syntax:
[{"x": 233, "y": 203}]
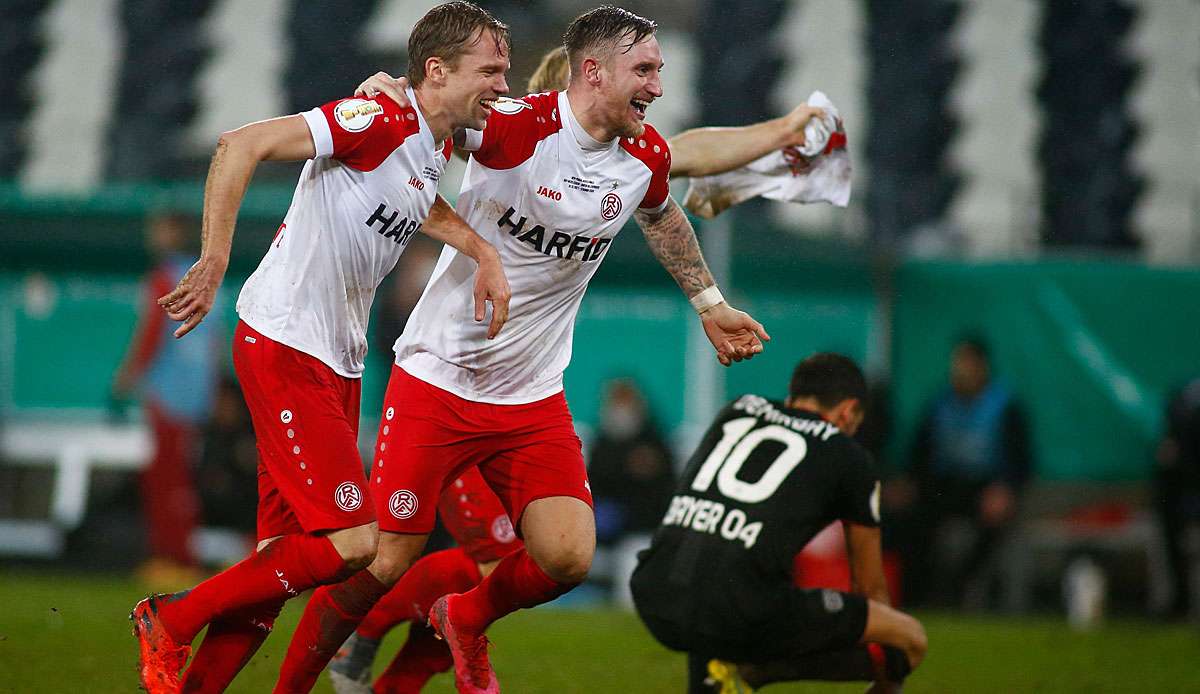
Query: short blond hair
[
  {"x": 603, "y": 31},
  {"x": 552, "y": 74},
  {"x": 448, "y": 31}
]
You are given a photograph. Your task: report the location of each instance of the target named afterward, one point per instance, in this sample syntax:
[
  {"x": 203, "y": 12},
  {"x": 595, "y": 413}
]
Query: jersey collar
[
  {"x": 426, "y": 134},
  {"x": 586, "y": 141}
]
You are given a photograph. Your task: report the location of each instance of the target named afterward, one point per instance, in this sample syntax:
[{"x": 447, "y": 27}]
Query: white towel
[{"x": 818, "y": 171}]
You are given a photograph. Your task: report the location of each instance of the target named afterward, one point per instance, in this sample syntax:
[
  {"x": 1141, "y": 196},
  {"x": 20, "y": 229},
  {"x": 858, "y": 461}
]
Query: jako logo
[
  {"x": 547, "y": 193},
  {"x": 284, "y": 582},
  {"x": 416, "y": 183}
]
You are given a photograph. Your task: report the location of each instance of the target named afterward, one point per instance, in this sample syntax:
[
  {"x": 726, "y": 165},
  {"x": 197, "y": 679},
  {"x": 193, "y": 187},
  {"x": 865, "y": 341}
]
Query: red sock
[
  {"x": 516, "y": 582},
  {"x": 228, "y": 645},
  {"x": 434, "y": 575},
  {"x": 330, "y": 618},
  {"x": 422, "y": 656},
  {"x": 283, "y": 569}
]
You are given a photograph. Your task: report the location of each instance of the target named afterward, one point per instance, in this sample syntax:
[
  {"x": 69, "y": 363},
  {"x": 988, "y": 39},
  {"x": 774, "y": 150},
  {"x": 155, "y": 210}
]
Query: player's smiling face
[
  {"x": 478, "y": 80},
  {"x": 635, "y": 81}
]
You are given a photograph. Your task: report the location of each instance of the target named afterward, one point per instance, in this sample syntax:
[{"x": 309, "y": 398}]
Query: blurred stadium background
[{"x": 1027, "y": 171}]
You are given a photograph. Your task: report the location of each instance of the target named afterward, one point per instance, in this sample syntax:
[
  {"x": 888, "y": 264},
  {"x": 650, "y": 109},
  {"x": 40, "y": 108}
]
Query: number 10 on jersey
[{"x": 731, "y": 452}]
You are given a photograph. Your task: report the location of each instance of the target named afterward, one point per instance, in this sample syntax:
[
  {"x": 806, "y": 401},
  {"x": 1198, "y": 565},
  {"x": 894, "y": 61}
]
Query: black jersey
[{"x": 763, "y": 482}]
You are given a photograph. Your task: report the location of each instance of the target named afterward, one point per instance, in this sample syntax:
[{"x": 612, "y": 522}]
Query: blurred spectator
[
  {"x": 1177, "y": 478},
  {"x": 632, "y": 473},
  {"x": 630, "y": 470},
  {"x": 175, "y": 381},
  {"x": 971, "y": 461},
  {"x": 228, "y": 473}
]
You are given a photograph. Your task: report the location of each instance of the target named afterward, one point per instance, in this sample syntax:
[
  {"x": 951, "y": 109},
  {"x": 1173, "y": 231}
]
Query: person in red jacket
[{"x": 175, "y": 381}]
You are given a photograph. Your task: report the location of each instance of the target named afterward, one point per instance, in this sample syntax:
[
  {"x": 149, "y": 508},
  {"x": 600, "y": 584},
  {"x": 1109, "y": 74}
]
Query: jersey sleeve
[
  {"x": 513, "y": 130},
  {"x": 860, "y": 488},
  {"x": 472, "y": 140},
  {"x": 652, "y": 150},
  {"x": 658, "y": 158},
  {"x": 361, "y": 133}
]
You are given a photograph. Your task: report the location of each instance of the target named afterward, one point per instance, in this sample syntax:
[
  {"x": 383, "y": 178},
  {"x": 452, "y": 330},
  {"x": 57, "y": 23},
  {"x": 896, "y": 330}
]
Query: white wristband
[{"x": 707, "y": 299}]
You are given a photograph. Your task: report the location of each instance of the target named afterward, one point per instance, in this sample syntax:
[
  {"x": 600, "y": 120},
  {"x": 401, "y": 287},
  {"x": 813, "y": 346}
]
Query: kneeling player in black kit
[{"x": 716, "y": 582}]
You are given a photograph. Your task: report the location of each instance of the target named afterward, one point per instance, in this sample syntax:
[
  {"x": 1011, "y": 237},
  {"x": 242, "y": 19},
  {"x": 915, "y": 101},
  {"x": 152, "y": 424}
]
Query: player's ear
[
  {"x": 590, "y": 69},
  {"x": 847, "y": 415},
  {"x": 435, "y": 69}
]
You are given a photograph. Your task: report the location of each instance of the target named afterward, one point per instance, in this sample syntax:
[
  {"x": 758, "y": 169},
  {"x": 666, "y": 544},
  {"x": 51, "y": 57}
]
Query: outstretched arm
[
  {"x": 446, "y": 226},
  {"x": 710, "y": 151},
  {"x": 734, "y": 334},
  {"x": 237, "y": 155}
]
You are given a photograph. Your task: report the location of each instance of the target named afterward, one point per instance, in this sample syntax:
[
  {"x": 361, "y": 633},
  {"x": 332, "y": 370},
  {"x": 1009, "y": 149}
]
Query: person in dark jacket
[
  {"x": 971, "y": 460},
  {"x": 1177, "y": 490}
]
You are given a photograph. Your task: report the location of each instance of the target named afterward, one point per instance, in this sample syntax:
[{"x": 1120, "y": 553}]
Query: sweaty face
[
  {"x": 477, "y": 81},
  {"x": 633, "y": 82}
]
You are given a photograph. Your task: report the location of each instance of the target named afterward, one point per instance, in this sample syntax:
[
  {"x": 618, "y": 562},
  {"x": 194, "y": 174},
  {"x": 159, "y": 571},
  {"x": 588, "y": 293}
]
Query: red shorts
[
  {"x": 475, "y": 518},
  {"x": 428, "y": 437},
  {"x": 310, "y": 474}
]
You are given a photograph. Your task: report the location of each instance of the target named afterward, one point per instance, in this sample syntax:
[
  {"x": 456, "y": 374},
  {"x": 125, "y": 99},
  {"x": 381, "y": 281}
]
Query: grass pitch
[{"x": 69, "y": 633}]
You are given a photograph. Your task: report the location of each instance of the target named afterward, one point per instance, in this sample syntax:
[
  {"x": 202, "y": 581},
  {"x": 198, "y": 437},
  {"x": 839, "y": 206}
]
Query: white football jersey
[
  {"x": 551, "y": 199},
  {"x": 356, "y": 207}
]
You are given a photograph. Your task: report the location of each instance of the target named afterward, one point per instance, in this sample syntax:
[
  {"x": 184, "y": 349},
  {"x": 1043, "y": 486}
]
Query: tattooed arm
[
  {"x": 734, "y": 334},
  {"x": 238, "y": 153}
]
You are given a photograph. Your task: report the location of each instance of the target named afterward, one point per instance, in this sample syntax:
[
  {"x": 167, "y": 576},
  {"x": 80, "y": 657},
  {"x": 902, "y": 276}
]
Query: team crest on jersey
[
  {"x": 610, "y": 206},
  {"x": 355, "y": 115},
  {"x": 348, "y": 496},
  {"x": 509, "y": 106},
  {"x": 403, "y": 504},
  {"x": 502, "y": 530}
]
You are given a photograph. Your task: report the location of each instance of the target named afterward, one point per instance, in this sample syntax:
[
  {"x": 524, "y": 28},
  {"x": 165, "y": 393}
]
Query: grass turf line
[{"x": 69, "y": 633}]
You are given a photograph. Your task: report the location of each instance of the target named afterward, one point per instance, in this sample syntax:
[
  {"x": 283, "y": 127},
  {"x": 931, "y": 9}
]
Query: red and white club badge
[
  {"x": 403, "y": 504},
  {"x": 610, "y": 206},
  {"x": 348, "y": 496},
  {"x": 502, "y": 529}
]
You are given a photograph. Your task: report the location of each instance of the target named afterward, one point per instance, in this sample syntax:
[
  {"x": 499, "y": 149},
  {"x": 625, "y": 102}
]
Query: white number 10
[{"x": 735, "y": 446}]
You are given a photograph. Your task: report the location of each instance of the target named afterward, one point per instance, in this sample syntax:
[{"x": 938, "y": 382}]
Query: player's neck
[
  {"x": 586, "y": 108},
  {"x": 807, "y": 405},
  {"x": 436, "y": 114}
]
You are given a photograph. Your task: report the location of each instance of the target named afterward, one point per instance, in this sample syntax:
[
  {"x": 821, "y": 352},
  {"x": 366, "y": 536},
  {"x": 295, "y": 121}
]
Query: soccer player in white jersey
[
  {"x": 369, "y": 185},
  {"x": 468, "y": 507},
  {"x": 551, "y": 181}
]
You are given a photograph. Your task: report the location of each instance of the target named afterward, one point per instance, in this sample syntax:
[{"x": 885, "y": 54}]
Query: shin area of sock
[{"x": 331, "y": 616}]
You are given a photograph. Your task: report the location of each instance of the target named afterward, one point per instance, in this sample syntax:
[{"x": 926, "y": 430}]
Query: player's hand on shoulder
[
  {"x": 383, "y": 83},
  {"x": 734, "y": 334},
  {"x": 194, "y": 296},
  {"x": 491, "y": 285}
]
